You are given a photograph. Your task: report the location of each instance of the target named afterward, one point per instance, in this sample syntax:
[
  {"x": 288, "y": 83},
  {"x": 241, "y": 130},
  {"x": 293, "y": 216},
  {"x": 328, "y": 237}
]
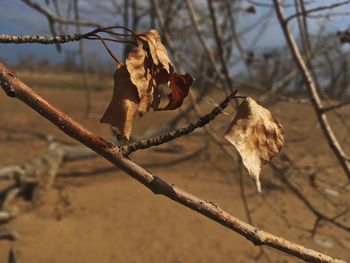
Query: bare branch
[
  {"x": 202, "y": 39},
  {"x": 82, "y": 61},
  {"x": 46, "y": 40},
  {"x": 219, "y": 45},
  {"x": 172, "y": 135},
  {"x": 59, "y": 19},
  {"x": 319, "y": 215},
  {"x": 92, "y": 35},
  {"x": 337, "y": 106},
  {"x": 317, "y": 9}
]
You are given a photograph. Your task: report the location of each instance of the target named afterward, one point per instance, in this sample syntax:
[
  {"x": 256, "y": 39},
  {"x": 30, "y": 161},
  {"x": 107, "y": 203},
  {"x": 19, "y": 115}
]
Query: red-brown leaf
[{"x": 179, "y": 85}]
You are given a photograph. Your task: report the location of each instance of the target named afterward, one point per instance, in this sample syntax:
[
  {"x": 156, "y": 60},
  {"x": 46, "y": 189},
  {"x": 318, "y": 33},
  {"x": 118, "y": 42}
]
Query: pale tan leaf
[
  {"x": 158, "y": 51},
  {"x": 147, "y": 98},
  {"x": 135, "y": 63},
  {"x": 257, "y": 135},
  {"x": 140, "y": 77},
  {"x": 123, "y": 107}
]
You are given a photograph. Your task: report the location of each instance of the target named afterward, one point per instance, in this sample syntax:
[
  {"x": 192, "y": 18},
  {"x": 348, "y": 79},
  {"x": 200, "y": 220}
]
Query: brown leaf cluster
[
  {"x": 137, "y": 84},
  {"x": 257, "y": 135}
]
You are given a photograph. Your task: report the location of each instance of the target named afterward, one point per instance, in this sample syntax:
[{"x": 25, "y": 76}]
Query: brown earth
[{"x": 106, "y": 216}]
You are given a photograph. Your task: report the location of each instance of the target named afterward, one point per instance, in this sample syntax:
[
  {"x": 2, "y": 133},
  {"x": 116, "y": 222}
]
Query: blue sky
[{"x": 17, "y": 18}]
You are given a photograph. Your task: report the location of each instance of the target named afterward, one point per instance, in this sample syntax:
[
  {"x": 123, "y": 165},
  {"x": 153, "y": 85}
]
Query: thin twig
[
  {"x": 172, "y": 135},
  {"x": 7, "y": 39},
  {"x": 336, "y": 106},
  {"x": 317, "y": 9},
  {"x": 59, "y": 19},
  {"x": 46, "y": 40},
  {"x": 82, "y": 61},
  {"x": 319, "y": 215},
  {"x": 108, "y": 49},
  {"x": 202, "y": 39},
  {"x": 218, "y": 40}
]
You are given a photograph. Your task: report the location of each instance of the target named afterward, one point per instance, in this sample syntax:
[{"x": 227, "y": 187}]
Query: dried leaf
[
  {"x": 140, "y": 77},
  {"x": 257, "y": 135},
  {"x": 136, "y": 68},
  {"x": 179, "y": 85},
  {"x": 157, "y": 50},
  {"x": 137, "y": 84},
  {"x": 123, "y": 107}
]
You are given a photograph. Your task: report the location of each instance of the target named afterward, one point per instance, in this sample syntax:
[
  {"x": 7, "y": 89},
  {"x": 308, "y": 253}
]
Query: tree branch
[
  {"x": 15, "y": 88},
  {"x": 172, "y": 135},
  {"x": 336, "y": 106},
  {"x": 52, "y": 17},
  {"x": 218, "y": 40},
  {"x": 317, "y": 9},
  {"x": 46, "y": 40},
  {"x": 319, "y": 215},
  {"x": 203, "y": 41}
]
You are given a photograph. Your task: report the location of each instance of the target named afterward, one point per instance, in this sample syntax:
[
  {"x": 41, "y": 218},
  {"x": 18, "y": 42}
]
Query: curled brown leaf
[
  {"x": 123, "y": 107},
  {"x": 137, "y": 84}
]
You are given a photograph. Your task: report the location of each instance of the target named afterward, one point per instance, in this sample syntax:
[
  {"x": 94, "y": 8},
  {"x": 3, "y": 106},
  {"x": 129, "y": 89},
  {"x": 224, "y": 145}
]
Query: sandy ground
[{"x": 106, "y": 216}]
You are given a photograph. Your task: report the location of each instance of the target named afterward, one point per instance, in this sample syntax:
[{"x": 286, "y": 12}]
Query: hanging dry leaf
[
  {"x": 257, "y": 135},
  {"x": 137, "y": 84},
  {"x": 157, "y": 50},
  {"x": 179, "y": 85},
  {"x": 123, "y": 107}
]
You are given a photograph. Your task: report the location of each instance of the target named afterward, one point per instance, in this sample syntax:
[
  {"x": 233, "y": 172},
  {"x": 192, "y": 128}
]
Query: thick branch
[
  {"x": 15, "y": 88},
  {"x": 314, "y": 96}
]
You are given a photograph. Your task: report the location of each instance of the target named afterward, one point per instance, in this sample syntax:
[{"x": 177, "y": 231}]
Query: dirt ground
[{"x": 98, "y": 214}]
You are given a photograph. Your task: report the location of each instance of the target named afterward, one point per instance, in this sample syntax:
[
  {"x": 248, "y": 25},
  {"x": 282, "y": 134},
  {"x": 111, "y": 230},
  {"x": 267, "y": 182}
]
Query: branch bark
[
  {"x": 15, "y": 88},
  {"x": 46, "y": 40}
]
